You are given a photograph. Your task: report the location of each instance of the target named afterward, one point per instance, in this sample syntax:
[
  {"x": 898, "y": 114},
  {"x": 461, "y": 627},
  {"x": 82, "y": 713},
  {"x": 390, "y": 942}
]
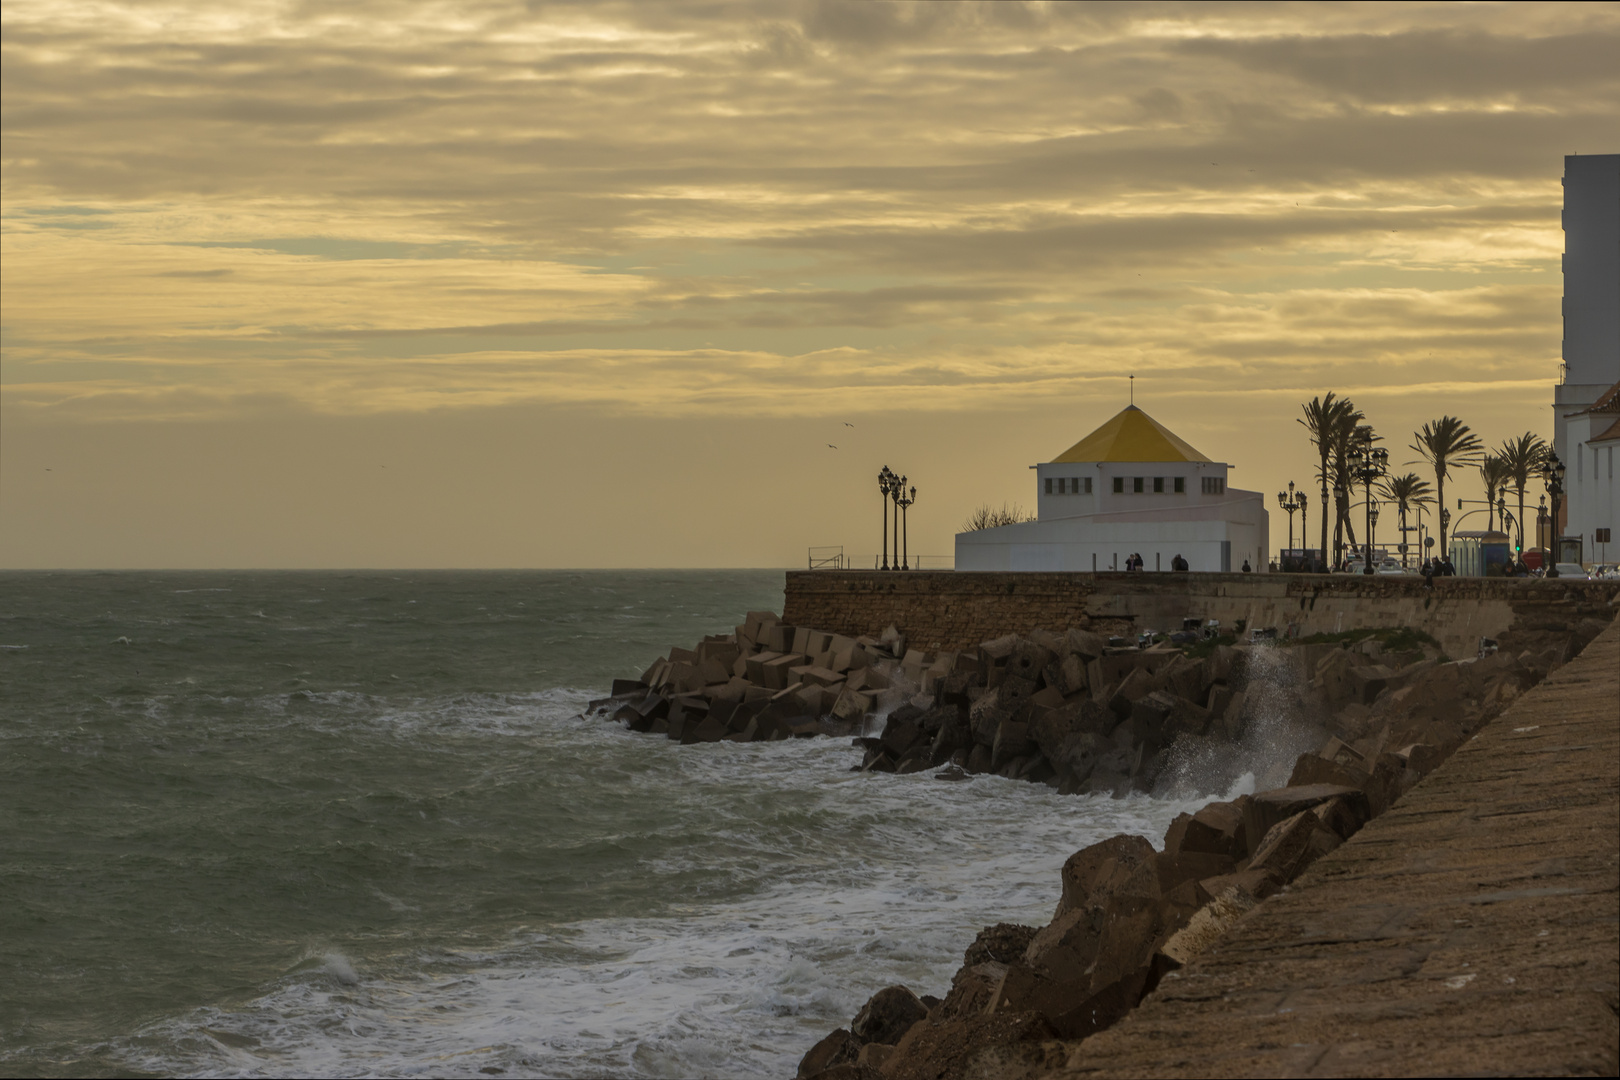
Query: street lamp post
[
  {"x": 897, "y": 491},
  {"x": 1552, "y": 473},
  {"x": 1324, "y": 505},
  {"x": 1289, "y": 503},
  {"x": 1541, "y": 527},
  {"x": 905, "y": 500},
  {"x": 1341, "y": 496},
  {"x": 1371, "y": 464},
  {"x": 1372, "y": 524},
  {"x": 886, "y": 481},
  {"x": 1304, "y": 530}
]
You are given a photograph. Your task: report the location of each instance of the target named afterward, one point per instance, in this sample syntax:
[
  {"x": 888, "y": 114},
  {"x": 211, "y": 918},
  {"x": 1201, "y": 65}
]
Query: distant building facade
[
  {"x": 1591, "y": 491},
  {"x": 1584, "y": 401},
  {"x": 1130, "y": 487}
]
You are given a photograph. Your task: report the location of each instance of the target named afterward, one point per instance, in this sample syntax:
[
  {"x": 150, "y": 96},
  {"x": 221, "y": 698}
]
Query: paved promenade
[{"x": 1474, "y": 928}]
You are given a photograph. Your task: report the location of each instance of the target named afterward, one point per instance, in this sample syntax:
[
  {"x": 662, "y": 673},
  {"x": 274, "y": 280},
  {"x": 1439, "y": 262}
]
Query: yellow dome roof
[{"x": 1132, "y": 435}]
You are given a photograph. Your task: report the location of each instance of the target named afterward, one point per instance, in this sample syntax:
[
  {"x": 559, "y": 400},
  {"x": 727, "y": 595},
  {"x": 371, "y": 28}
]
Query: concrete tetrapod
[{"x": 1474, "y": 928}]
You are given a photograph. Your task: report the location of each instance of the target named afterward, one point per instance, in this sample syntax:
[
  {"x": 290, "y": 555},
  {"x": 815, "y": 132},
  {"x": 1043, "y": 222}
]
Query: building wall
[
  {"x": 1591, "y": 304},
  {"x": 1592, "y": 269},
  {"x": 1213, "y": 533},
  {"x": 1592, "y": 491},
  {"x": 1104, "y": 500},
  {"x": 953, "y": 610}
]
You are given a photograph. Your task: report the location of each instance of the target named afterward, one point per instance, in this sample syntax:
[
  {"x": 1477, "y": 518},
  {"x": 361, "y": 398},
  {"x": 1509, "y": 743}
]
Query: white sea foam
[{"x": 735, "y": 985}]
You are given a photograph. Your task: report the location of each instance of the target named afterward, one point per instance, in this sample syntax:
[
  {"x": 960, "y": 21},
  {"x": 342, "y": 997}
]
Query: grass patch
[
  {"x": 1392, "y": 639},
  {"x": 1204, "y": 646}
]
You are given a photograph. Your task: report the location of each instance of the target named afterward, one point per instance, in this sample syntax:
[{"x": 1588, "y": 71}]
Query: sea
[{"x": 352, "y": 824}]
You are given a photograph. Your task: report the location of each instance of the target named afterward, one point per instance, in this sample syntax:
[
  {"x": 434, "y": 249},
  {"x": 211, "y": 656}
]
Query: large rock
[
  {"x": 1068, "y": 675},
  {"x": 972, "y": 988},
  {"x": 1117, "y": 874},
  {"x": 852, "y": 705},
  {"x": 900, "y": 734},
  {"x": 1215, "y": 829},
  {"x": 1344, "y": 816},
  {"x": 835, "y": 1049},
  {"x": 1077, "y": 757},
  {"x": 1267, "y": 808},
  {"x": 1149, "y": 714},
  {"x": 1177, "y": 867},
  {"x": 1001, "y": 943},
  {"x": 1012, "y": 741},
  {"x": 1084, "y": 644},
  {"x": 888, "y": 1015},
  {"x": 1003, "y": 1046},
  {"x": 1004, "y": 702},
  {"x": 1184, "y": 678},
  {"x": 1208, "y": 925},
  {"x": 1027, "y": 661},
  {"x": 1293, "y": 844},
  {"x": 705, "y": 731},
  {"x": 953, "y": 735},
  {"x": 1136, "y": 684},
  {"x": 1315, "y": 769}
]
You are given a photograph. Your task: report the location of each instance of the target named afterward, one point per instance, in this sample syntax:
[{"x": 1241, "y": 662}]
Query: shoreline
[{"x": 1083, "y": 713}]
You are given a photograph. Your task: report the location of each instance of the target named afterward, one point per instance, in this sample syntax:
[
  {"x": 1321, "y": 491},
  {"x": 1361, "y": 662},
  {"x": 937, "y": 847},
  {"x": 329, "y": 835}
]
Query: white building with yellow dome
[{"x": 1130, "y": 487}]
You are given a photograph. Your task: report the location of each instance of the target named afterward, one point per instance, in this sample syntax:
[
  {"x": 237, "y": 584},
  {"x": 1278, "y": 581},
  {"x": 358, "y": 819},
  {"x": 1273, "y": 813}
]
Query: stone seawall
[{"x": 955, "y": 610}]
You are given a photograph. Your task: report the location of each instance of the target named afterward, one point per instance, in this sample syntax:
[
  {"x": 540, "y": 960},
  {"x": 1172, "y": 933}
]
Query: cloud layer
[{"x": 801, "y": 210}]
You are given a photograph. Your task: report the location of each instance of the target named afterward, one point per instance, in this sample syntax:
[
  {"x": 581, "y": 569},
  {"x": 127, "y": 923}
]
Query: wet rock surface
[
  {"x": 1087, "y": 715},
  {"x": 1134, "y": 921}
]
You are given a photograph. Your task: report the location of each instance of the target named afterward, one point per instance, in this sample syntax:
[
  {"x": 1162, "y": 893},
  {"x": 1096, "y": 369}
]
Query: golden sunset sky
[{"x": 568, "y": 285}]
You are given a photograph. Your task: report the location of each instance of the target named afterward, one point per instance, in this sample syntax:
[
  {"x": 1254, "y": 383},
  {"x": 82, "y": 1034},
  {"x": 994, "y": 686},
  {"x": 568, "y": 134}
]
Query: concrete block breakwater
[
  {"x": 1377, "y": 711},
  {"x": 1135, "y": 923},
  {"x": 955, "y": 610}
]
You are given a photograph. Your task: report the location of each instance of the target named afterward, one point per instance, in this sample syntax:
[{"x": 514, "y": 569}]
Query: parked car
[{"x": 1571, "y": 570}]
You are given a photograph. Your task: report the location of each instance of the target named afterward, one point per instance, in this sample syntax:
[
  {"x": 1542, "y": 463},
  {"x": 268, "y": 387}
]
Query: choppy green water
[{"x": 337, "y": 824}]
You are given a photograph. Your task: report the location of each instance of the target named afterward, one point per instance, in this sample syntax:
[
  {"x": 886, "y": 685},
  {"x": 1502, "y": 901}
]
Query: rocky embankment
[
  {"x": 1130, "y": 916},
  {"x": 1087, "y": 714},
  {"x": 1079, "y": 711}
]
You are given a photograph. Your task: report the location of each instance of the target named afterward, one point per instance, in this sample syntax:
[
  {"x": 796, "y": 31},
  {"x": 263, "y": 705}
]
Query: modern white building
[
  {"x": 1591, "y": 491},
  {"x": 1130, "y": 487},
  {"x": 1583, "y": 432}
]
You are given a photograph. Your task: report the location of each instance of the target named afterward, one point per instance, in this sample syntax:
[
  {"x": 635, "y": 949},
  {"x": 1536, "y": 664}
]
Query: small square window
[
  {"x": 1181, "y": 484},
  {"x": 1119, "y": 485},
  {"x": 1049, "y": 485},
  {"x": 1158, "y": 485},
  {"x": 1136, "y": 484}
]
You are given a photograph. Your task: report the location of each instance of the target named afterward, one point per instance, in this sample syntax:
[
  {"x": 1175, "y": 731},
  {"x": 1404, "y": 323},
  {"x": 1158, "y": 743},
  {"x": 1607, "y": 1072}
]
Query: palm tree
[
  {"x": 1445, "y": 444},
  {"x": 1522, "y": 457},
  {"x": 1410, "y": 492},
  {"x": 1493, "y": 472},
  {"x": 1330, "y": 421}
]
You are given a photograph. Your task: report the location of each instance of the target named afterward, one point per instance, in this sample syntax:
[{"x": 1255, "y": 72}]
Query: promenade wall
[{"x": 956, "y": 609}]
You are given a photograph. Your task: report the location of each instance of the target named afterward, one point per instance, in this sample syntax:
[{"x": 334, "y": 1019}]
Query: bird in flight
[
  {"x": 848, "y": 424},
  {"x": 831, "y": 446}
]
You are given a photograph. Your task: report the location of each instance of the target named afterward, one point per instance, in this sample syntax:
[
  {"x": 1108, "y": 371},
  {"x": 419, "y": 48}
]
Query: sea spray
[{"x": 1278, "y": 726}]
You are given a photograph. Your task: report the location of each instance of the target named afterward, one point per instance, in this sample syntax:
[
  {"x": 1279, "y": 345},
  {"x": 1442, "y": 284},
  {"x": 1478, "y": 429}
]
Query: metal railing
[
  {"x": 827, "y": 558},
  {"x": 832, "y": 557},
  {"x": 920, "y": 562}
]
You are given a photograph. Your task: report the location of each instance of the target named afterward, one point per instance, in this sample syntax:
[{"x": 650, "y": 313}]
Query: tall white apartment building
[{"x": 1591, "y": 348}]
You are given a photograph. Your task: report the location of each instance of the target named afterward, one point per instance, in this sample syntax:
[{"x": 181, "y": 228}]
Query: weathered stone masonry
[{"x": 955, "y": 610}]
